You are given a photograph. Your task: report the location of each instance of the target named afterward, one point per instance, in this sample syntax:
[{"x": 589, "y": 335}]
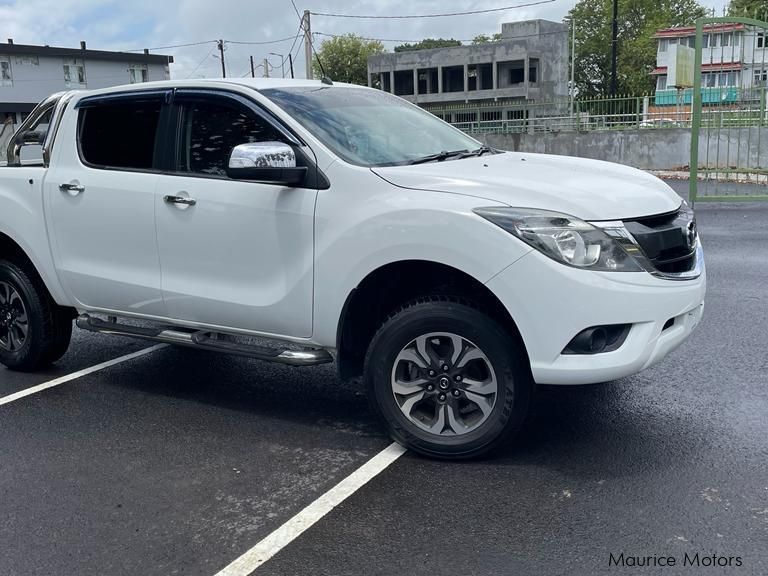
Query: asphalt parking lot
[{"x": 177, "y": 462}]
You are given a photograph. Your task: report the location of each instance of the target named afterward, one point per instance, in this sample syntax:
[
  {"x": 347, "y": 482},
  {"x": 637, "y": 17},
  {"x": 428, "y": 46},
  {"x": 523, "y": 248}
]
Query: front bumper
[{"x": 551, "y": 303}]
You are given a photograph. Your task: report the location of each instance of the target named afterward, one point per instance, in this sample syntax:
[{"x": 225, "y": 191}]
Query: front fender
[{"x": 363, "y": 223}]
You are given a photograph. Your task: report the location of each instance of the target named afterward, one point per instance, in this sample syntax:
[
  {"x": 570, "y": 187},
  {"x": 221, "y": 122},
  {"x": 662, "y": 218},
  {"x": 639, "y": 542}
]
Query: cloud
[{"x": 119, "y": 25}]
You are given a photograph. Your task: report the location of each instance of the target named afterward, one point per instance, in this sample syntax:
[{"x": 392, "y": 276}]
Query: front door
[
  {"x": 101, "y": 208},
  {"x": 237, "y": 254}
]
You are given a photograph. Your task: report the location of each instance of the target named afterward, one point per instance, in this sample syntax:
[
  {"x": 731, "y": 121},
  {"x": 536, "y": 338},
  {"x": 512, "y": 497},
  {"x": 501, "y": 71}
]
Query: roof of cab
[{"x": 255, "y": 83}]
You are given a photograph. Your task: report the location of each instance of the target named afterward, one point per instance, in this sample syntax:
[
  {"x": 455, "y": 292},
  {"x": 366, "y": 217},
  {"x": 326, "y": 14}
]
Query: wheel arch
[
  {"x": 12, "y": 250},
  {"x": 384, "y": 289}
]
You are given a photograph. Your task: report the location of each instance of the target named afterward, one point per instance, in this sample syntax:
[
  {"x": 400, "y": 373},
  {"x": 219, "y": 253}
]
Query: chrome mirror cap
[{"x": 262, "y": 155}]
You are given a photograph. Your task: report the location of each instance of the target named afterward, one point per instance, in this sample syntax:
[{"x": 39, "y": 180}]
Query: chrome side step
[{"x": 203, "y": 340}]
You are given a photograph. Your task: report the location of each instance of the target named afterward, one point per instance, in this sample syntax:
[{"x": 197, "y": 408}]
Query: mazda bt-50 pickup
[{"x": 306, "y": 222}]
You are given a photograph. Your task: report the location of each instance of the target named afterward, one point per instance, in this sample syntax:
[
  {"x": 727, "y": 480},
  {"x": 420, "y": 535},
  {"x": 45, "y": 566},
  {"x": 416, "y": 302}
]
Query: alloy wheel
[
  {"x": 444, "y": 384},
  {"x": 14, "y": 321}
]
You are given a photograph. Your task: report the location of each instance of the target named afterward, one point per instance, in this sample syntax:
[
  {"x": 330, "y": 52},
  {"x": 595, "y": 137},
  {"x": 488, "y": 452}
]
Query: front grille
[{"x": 668, "y": 240}]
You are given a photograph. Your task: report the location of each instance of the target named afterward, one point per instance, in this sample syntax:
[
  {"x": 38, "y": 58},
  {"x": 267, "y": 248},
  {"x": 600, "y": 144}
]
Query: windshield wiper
[
  {"x": 479, "y": 152},
  {"x": 439, "y": 157}
]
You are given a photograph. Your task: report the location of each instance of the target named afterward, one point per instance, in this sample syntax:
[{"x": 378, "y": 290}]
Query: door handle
[
  {"x": 72, "y": 189},
  {"x": 180, "y": 200}
]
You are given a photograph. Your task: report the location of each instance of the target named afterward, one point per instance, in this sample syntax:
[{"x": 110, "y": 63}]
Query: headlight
[{"x": 564, "y": 238}]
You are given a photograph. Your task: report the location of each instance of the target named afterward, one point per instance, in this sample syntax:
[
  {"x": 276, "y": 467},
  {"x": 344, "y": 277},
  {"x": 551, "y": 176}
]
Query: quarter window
[
  {"x": 209, "y": 132},
  {"x": 120, "y": 134}
]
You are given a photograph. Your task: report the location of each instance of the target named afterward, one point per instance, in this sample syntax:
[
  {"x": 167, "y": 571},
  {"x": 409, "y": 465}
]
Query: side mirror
[
  {"x": 31, "y": 138},
  {"x": 269, "y": 162}
]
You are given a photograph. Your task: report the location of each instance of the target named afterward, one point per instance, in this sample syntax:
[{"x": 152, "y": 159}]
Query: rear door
[
  {"x": 242, "y": 256},
  {"x": 100, "y": 200}
]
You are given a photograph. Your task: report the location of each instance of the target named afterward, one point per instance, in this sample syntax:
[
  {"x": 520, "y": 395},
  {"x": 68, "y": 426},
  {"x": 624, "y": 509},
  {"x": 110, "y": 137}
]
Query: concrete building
[
  {"x": 529, "y": 63},
  {"x": 734, "y": 64},
  {"x": 30, "y": 73}
]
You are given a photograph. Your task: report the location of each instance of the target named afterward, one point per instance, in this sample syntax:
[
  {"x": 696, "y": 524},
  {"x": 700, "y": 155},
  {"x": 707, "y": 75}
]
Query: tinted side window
[
  {"x": 120, "y": 134},
  {"x": 209, "y": 132}
]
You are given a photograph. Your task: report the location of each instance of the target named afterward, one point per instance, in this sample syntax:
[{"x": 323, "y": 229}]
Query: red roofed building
[{"x": 734, "y": 63}]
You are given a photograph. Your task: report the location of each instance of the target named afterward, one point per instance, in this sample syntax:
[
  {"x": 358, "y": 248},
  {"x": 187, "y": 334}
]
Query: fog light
[{"x": 598, "y": 339}]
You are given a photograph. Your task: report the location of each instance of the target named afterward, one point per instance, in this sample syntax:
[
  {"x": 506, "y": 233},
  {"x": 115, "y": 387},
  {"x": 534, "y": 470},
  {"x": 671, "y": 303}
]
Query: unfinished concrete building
[{"x": 482, "y": 82}]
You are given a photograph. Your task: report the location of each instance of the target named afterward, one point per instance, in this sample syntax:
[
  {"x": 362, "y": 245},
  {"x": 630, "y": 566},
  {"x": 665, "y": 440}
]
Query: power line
[
  {"x": 466, "y": 13},
  {"x": 298, "y": 35},
  {"x": 265, "y": 42},
  {"x": 173, "y": 46},
  {"x": 210, "y": 52}
]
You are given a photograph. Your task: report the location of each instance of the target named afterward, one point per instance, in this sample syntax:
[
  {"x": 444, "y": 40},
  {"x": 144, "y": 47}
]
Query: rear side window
[{"x": 120, "y": 134}]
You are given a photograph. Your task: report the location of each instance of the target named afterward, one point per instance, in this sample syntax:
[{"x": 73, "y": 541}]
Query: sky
[{"x": 138, "y": 24}]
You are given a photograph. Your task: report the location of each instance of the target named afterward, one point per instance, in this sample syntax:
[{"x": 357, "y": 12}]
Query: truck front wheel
[
  {"x": 447, "y": 380},
  {"x": 34, "y": 331}
]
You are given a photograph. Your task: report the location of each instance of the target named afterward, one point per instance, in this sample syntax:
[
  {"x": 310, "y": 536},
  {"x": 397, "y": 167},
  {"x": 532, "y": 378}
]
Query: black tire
[
  {"x": 49, "y": 326},
  {"x": 501, "y": 352}
]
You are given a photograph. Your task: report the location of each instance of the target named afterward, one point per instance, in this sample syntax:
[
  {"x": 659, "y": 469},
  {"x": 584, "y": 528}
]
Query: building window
[
  {"x": 761, "y": 40},
  {"x": 6, "y": 78},
  {"x": 705, "y": 41},
  {"x": 74, "y": 72},
  {"x": 138, "y": 73},
  {"x": 761, "y": 77},
  {"x": 709, "y": 80},
  {"x": 727, "y": 38},
  {"x": 661, "y": 83},
  {"x": 533, "y": 70},
  {"x": 663, "y": 43}
]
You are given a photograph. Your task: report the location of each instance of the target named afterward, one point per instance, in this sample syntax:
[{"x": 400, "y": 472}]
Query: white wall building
[{"x": 29, "y": 73}]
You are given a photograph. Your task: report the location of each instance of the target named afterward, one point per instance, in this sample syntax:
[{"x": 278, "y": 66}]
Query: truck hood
[{"x": 587, "y": 189}]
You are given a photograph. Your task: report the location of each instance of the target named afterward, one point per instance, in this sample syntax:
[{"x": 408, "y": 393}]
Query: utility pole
[
  {"x": 223, "y": 65},
  {"x": 614, "y": 45},
  {"x": 253, "y": 70},
  {"x": 266, "y": 68},
  {"x": 308, "y": 44},
  {"x": 290, "y": 61}
]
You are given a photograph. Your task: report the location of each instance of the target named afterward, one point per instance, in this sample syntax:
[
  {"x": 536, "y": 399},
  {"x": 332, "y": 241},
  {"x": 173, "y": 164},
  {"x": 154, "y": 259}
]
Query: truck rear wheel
[
  {"x": 447, "y": 380},
  {"x": 34, "y": 331}
]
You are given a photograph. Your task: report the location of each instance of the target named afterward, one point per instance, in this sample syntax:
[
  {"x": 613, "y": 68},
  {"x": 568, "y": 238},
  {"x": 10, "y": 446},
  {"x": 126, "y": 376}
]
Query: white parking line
[
  {"x": 294, "y": 527},
  {"x": 76, "y": 375}
]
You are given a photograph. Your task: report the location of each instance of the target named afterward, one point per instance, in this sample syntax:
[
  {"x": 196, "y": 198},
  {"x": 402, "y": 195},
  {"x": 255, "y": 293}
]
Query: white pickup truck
[{"x": 302, "y": 221}]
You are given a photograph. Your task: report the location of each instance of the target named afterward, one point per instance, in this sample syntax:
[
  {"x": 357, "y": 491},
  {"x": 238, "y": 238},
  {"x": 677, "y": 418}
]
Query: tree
[
  {"x": 749, "y": 9},
  {"x": 345, "y": 58},
  {"x": 638, "y": 21},
  {"x": 484, "y": 38},
  {"x": 427, "y": 44}
]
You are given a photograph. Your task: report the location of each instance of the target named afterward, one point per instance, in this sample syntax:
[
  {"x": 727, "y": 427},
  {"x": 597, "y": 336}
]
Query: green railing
[
  {"x": 729, "y": 138},
  {"x": 723, "y": 107}
]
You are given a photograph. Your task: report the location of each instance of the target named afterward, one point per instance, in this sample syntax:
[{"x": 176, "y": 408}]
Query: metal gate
[{"x": 729, "y": 127}]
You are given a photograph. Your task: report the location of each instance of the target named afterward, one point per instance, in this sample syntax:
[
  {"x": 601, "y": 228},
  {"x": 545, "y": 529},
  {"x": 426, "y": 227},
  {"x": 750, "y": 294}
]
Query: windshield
[{"x": 369, "y": 127}]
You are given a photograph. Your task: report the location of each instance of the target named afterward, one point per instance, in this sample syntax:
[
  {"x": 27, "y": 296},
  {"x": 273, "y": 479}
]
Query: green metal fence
[
  {"x": 728, "y": 107},
  {"x": 729, "y": 126}
]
